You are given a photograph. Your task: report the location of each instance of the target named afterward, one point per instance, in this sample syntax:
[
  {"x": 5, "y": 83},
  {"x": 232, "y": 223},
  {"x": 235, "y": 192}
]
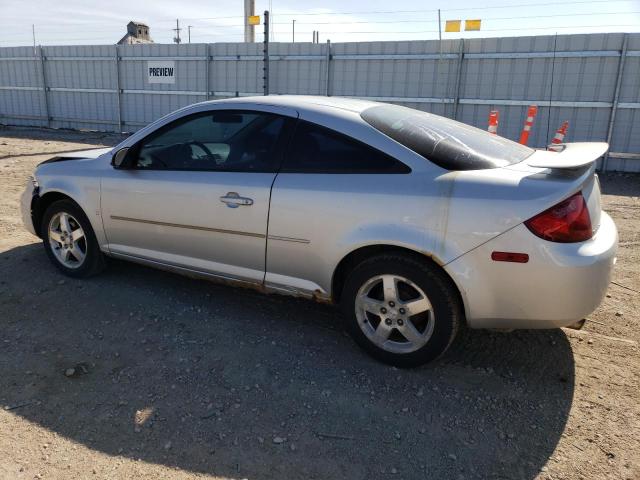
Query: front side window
[
  {"x": 235, "y": 141},
  {"x": 316, "y": 149}
]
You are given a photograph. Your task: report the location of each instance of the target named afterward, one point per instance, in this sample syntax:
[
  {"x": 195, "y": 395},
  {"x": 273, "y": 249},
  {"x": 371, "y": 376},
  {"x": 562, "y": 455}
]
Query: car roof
[{"x": 305, "y": 102}]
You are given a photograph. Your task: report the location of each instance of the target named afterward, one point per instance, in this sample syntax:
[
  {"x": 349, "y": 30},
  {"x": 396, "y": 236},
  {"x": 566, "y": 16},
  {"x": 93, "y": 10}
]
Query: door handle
[{"x": 233, "y": 200}]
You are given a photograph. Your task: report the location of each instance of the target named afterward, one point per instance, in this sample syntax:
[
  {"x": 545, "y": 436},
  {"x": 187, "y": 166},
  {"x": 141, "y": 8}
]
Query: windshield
[{"x": 445, "y": 142}]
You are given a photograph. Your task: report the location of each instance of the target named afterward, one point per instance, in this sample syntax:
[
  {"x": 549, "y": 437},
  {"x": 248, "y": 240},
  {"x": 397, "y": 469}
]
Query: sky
[{"x": 83, "y": 22}]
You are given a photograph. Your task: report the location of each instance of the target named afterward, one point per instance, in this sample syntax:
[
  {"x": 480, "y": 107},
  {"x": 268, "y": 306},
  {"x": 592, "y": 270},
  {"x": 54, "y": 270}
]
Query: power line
[
  {"x": 521, "y": 17},
  {"x": 483, "y": 30},
  {"x": 374, "y": 12},
  {"x": 484, "y": 19},
  {"x": 62, "y": 30},
  {"x": 364, "y": 12},
  {"x": 386, "y": 12},
  {"x": 493, "y": 7},
  {"x": 52, "y": 33},
  {"x": 547, "y": 27},
  {"x": 109, "y": 40},
  {"x": 166, "y": 20}
]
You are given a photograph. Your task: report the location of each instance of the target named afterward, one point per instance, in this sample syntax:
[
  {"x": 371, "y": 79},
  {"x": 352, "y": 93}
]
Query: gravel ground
[{"x": 179, "y": 378}]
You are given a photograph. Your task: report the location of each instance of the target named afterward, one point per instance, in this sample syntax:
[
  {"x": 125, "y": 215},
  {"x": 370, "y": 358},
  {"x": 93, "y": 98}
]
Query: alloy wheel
[
  {"x": 67, "y": 240},
  {"x": 394, "y": 313}
]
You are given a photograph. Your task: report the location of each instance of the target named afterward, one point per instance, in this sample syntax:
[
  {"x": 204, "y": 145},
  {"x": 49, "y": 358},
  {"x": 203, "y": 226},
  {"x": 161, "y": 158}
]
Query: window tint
[
  {"x": 219, "y": 140},
  {"x": 315, "y": 149},
  {"x": 447, "y": 143}
]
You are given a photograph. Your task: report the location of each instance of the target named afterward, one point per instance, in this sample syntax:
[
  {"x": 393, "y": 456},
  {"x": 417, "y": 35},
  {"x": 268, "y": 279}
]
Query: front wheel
[
  {"x": 401, "y": 310},
  {"x": 70, "y": 241}
]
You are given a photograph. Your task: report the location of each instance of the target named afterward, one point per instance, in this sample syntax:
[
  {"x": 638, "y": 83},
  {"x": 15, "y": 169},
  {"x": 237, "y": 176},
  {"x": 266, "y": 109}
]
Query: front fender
[{"x": 85, "y": 191}]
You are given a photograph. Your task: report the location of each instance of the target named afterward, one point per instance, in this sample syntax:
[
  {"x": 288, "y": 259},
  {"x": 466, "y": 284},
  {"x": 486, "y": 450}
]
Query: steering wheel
[
  {"x": 155, "y": 158},
  {"x": 204, "y": 148}
]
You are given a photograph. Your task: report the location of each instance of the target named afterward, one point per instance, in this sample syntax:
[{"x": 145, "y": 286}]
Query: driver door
[{"x": 195, "y": 193}]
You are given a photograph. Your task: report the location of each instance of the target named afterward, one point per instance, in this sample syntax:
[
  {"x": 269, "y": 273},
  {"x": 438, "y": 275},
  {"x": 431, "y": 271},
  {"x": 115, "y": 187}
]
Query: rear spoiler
[{"x": 571, "y": 155}]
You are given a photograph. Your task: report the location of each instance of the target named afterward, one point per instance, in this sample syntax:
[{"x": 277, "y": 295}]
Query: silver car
[{"x": 413, "y": 223}]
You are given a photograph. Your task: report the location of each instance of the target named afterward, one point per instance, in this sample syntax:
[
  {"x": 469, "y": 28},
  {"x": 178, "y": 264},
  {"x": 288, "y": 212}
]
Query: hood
[{"x": 79, "y": 155}]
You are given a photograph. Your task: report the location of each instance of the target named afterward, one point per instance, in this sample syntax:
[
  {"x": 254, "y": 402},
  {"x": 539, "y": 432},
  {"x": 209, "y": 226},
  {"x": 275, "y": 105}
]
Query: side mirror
[{"x": 118, "y": 159}]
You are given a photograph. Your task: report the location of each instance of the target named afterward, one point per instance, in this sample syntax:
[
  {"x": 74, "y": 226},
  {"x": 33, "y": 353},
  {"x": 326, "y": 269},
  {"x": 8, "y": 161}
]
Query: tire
[
  {"x": 403, "y": 331},
  {"x": 85, "y": 248}
]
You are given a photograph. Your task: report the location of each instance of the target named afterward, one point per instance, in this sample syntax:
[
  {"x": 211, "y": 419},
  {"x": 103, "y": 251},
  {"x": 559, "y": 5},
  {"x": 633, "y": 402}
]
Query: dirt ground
[{"x": 180, "y": 378}]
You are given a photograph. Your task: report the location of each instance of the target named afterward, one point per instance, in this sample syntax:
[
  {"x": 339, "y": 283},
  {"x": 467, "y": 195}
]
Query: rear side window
[
  {"x": 315, "y": 149},
  {"x": 445, "y": 142}
]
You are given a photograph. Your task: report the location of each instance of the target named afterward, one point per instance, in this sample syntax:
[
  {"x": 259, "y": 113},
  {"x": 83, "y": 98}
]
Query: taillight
[{"x": 566, "y": 222}]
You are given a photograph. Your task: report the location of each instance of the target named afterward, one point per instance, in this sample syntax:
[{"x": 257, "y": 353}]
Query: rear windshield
[{"x": 447, "y": 143}]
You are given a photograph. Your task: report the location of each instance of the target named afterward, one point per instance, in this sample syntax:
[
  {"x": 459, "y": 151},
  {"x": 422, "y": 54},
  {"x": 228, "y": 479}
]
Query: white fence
[{"x": 593, "y": 81}]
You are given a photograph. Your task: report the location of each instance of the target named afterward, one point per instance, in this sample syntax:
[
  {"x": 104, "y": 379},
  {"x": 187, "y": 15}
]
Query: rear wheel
[
  {"x": 70, "y": 241},
  {"x": 402, "y": 311}
]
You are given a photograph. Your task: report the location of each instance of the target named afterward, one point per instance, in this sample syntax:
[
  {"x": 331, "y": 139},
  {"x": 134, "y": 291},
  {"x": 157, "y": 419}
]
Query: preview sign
[{"x": 161, "y": 71}]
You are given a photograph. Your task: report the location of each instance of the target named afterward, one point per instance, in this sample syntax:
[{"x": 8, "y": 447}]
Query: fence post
[
  {"x": 327, "y": 91},
  {"x": 265, "y": 61},
  {"x": 456, "y": 92},
  {"x": 207, "y": 85},
  {"x": 118, "y": 90},
  {"x": 45, "y": 89},
  {"x": 616, "y": 96}
]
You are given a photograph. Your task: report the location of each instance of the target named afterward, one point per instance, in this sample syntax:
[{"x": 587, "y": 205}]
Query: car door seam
[
  {"x": 101, "y": 213},
  {"x": 290, "y": 130}
]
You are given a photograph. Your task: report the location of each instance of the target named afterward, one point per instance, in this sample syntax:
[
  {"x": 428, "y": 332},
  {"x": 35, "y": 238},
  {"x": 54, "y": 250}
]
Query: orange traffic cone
[
  {"x": 494, "y": 116},
  {"x": 558, "y": 138},
  {"x": 531, "y": 115}
]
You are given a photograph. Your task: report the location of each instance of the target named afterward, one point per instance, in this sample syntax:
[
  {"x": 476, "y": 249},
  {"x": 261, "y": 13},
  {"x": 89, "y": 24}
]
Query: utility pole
[
  {"x": 189, "y": 32},
  {"x": 176, "y": 39},
  {"x": 249, "y": 30},
  {"x": 265, "y": 62},
  {"x": 439, "y": 27},
  {"x": 293, "y": 32},
  {"x": 33, "y": 31},
  {"x": 272, "y": 30}
]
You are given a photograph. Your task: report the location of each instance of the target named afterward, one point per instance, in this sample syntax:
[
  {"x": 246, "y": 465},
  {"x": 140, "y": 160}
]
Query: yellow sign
[
  {"x": 254, "y": 20},
  {"x": 472, "y": 25},
  {"x": 452, "y": 26}
]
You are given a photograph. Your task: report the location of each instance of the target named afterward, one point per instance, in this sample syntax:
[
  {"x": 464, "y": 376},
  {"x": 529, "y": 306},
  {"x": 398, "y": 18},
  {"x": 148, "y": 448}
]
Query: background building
[{"x": 137, "y": 32}]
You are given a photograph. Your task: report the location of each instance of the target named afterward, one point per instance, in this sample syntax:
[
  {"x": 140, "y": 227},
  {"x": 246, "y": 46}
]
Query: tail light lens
[{"x": 566, "y": 222}]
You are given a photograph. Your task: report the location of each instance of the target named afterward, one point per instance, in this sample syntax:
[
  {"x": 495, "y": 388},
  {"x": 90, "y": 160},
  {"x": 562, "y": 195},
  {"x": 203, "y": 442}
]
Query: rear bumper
[{"x": 561, "y": 283}]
